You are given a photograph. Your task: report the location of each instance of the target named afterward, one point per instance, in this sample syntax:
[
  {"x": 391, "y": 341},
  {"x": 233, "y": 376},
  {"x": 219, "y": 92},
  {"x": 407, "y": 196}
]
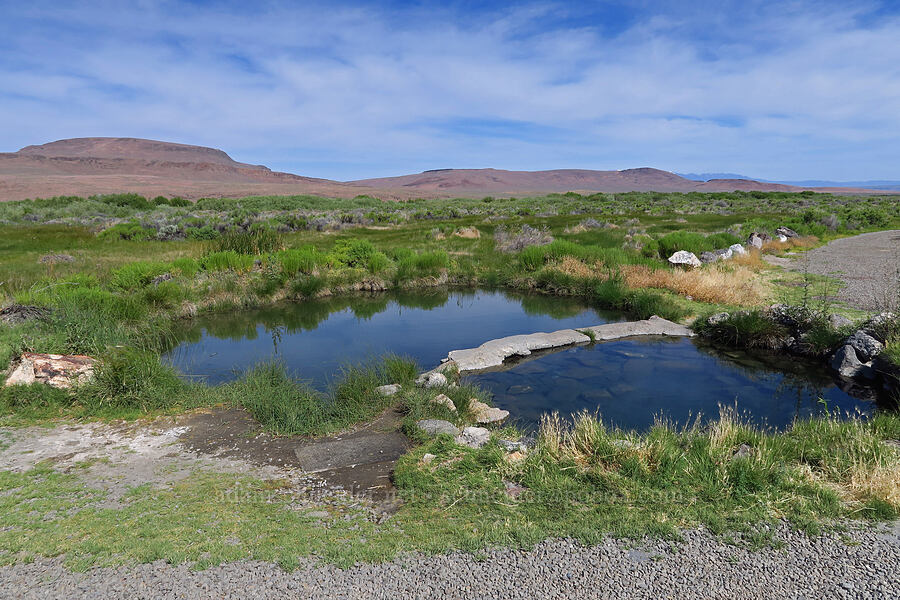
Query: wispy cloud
[{"x": 776, "y": 90}]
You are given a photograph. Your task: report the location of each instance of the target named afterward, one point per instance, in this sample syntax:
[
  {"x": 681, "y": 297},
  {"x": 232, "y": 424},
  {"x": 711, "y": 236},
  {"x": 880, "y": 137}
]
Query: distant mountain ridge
[
  {"x": 876, "y": 184},
  {"x": 103, "y": 165}
]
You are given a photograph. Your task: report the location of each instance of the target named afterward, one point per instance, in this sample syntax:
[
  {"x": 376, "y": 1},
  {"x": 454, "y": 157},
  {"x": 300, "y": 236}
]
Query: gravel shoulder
[
  {"x": 867, "y": 264},
  {"x": 864, "y": 563}
]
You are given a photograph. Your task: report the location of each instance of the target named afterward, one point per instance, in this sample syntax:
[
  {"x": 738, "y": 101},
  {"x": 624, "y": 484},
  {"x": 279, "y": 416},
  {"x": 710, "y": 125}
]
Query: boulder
[
  {"x": 474, "y": 437},
  {"x": 709, "y": 257},
  {"x": 786, "y": 232},
  {"x": 437, "y": 427},
  {"x": 718, "y": 318},
  {"x": 876, "y": 325},
  {"x": 55, "y": 370},
  {"x": 781, "y": 238},
  {"x": 757, "y": 239},
  {"x": 743, "y": 451},
  {"x": 433, "y": 379},
  {"x": 847, "y": 363},
  {"x": 724, "y": 253},
  {"x": 865, "y": 345},
  {"x": 388, "y": 390},
  {"x": 737, "y": 249},
  {"x": 512, "y": 446},
  {"x": 683, "y": 258},
  {"x": 445, "y": 401},
  {"x": 486, "y": 414},
  {"x": 839, "y": 321}
]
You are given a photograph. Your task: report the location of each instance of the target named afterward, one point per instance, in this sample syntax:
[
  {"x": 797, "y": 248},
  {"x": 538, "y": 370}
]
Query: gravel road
[
  {"x": 866, "y": 263},
  {"x": 864, "y": 563}
]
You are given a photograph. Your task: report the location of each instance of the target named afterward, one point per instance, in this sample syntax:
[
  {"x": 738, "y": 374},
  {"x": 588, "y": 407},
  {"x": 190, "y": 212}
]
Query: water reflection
[{"x": 315, "y": 338}]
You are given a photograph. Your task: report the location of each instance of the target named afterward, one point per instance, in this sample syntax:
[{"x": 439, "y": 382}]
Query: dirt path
[{"x": 868, "y": 265}]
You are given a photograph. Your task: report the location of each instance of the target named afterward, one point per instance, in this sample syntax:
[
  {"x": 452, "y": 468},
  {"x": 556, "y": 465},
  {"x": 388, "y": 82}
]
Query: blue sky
[{"x": 777, "y": 90}]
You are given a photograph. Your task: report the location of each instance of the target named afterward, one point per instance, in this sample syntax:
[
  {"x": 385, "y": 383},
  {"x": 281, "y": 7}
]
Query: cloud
[{"x": 777, "y": 90}]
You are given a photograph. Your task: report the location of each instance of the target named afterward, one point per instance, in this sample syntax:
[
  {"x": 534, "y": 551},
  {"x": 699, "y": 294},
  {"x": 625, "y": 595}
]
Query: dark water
[
  {"x": 630, "y": 382},
  {"x": 315, "y": 338}
]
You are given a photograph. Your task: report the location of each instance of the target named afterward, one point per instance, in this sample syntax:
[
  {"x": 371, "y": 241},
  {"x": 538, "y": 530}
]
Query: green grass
[{"x": 583, "y": 481}]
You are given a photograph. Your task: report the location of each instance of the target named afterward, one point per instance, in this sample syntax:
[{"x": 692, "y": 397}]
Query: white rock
[
  {"x": 23, "y": 374},
  {"x": 437, "y": 427},
  {"x": 427, "y": 458},
  {"x": 474, "y": 437},
  {"x": 445, "y": 401},
  {"x": 486, "y": 414},
  {"x": 388, "y": 390},
  {"x": 737, "y": 249},
  {"x": 432, "y": 379},
  {"x": 782, "y": 238},
  {"x": 685, "y": 259}
]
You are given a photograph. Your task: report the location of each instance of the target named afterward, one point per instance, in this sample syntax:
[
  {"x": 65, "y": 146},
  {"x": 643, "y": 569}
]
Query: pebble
[{"x": 860, "y": 563}]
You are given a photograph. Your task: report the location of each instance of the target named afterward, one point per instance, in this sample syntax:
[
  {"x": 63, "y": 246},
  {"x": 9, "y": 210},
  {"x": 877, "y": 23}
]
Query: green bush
[
  {"x": 308, "y": 286},
  {"x": 204, "y": 233},
  {"x": 135, "y": 201},
  {"x": 353, "y": 252},
  {"x": 745, "y": 329},
  {"x": 127, "y": 231}
]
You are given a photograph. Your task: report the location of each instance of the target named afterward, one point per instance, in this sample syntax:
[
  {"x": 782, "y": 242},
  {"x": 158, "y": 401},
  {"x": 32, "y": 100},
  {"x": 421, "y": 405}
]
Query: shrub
[
  {"x": 204, "y": 233},
  {"x": 694, "y": 242},
  {"x": 127, "y": 231},
  {"x": 134, "y": 201},
  {"x": 353, "y": 253},
  {"x": 508, "y": 241}
]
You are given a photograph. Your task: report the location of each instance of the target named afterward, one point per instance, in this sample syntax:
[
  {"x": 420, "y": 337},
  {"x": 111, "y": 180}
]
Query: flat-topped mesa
[{"x": 492, "y": 354}]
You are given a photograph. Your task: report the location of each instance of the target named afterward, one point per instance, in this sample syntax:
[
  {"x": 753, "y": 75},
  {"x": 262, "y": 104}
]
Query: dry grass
[
  {"x": 731, "y": 283},
  {"x": 575, "y": 268},
  {"x": 790, "y": 244}
]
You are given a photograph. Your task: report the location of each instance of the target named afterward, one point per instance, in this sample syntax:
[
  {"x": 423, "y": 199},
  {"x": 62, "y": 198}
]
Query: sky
[{"x": 784, "y": 90}]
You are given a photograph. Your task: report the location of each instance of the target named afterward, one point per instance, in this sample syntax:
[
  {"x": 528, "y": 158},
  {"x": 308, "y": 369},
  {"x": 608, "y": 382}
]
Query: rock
[
  {"x": 432, "y": 379},
  {"x": 708, "y": 257},
  {"x": 388, "y": 390},
  {"x": 19, "y": 313},
  {"x": 743, "y": 451},
  {"x": 437, "y": 427},
  {"x": 782, "y": 238},
  {"x": 511, "y": 446},
  {"x": 482, "y": 413},
  {"x": 474, "y": 437},
  {"x": 757, "y": 239},
  {"x": 847, "y": 363},
  {"x": 512, "y": 489},
  {"x": 737, "y": 249},
  {"x": 55, "y": 370},
  {"x": 724, "y": 254},
  {"x": 683, "y": 258},
  {"x": 786, "y": 232},
  {"x": 164, "y": 277},
  {"x": 876, "y": 325},
  {"x": 445, "y": 401},
  {"x": 470, "y": 233},
  {"x": 839, "y": 321},
  {"x": 718, "y": 318},
  {"x": 427, "y": 458},
  {"x": 55, "y": 259},
  {"x": 865, "y": 345}
]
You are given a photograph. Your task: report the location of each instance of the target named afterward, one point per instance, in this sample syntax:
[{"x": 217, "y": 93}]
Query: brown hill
[
  {"x": 87, "y": 166},
  {"x": 500, "y": 182}
]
